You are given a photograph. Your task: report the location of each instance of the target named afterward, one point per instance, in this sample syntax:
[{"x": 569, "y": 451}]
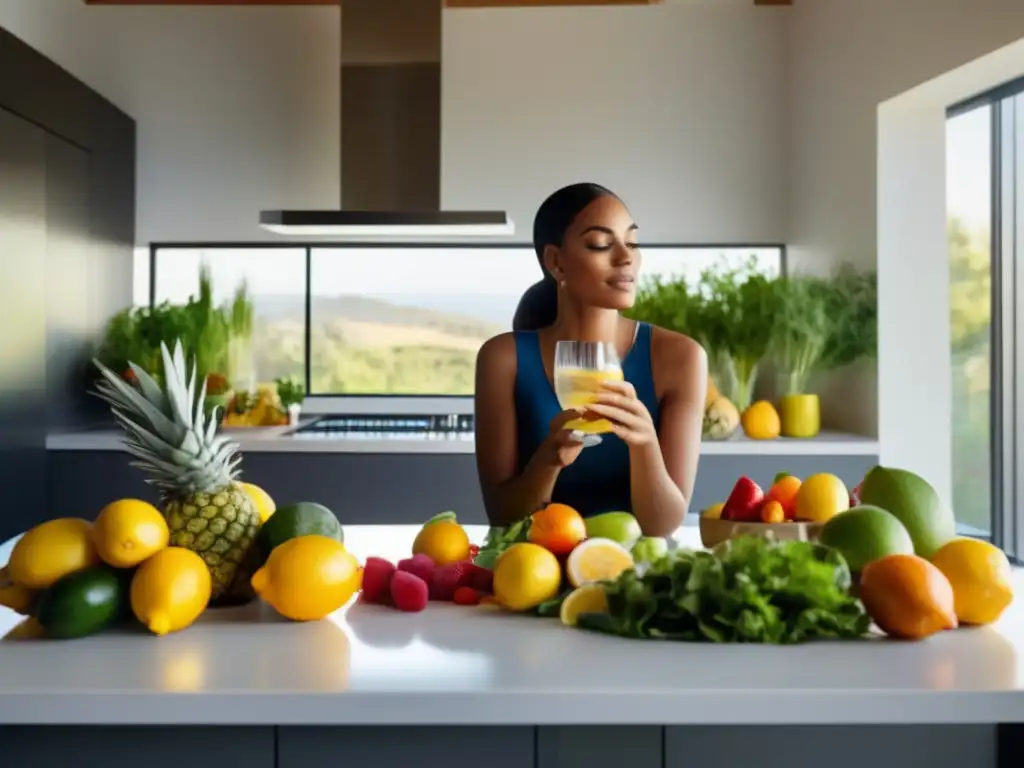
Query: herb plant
[{"x": 802, "y": 330}]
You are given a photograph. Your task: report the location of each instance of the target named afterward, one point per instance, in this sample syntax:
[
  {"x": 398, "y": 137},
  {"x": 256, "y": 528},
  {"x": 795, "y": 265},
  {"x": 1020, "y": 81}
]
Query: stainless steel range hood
[{"x": 390, "y": 133}]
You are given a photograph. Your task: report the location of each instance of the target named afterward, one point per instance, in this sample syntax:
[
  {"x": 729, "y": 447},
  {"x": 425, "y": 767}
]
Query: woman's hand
[
  {"x": 630, "y": 418},
  {"x": 561, "y": 447}
]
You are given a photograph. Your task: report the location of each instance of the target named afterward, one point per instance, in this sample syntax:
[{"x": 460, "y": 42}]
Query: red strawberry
[
  {"x": 420, "y": 565},
  {"x": 474, "y": 550},
  {"x": 855, "y": 495},
  {"x": 377, "y": 574},
  {"x": 466, "y": 596},
  {"x": 744, "y": 503},
  {"x": 448, "y": 578},
  {"x": 408, "y": 592}
]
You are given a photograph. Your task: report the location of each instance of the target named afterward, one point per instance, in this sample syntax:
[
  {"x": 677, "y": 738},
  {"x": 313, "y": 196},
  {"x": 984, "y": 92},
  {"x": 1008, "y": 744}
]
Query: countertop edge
[
  {"x": 401, "y": 708},
  {"x": 831, "y": 444}
]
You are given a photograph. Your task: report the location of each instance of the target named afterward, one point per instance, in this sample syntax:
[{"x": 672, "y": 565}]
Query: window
[
  {"x": 388, "y": 319},
  {"x": 969, "y": 219},
  {"x": 985, "y": 204},
  {"x": 275, "y": 279}
]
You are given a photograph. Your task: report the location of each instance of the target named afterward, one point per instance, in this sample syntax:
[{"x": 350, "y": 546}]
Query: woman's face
[{"x": 599, "y": 260}]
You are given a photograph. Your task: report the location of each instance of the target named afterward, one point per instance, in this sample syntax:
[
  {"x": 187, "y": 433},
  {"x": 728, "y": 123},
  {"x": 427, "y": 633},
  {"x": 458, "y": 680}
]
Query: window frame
[
  {"x": 1006, "y": 398},
  {"x": 325, "y": 404}
]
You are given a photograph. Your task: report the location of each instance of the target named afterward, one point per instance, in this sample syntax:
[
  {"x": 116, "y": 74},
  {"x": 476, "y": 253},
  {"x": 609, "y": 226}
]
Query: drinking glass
[{"x": 580, "y": 369}]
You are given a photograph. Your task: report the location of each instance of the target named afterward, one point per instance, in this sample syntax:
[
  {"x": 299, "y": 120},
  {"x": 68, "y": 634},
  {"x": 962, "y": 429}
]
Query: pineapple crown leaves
[{"x": 167, "y": 428}]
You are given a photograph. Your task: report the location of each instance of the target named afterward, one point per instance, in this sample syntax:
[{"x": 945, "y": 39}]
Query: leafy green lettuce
[{"x": 749, "y": 590}]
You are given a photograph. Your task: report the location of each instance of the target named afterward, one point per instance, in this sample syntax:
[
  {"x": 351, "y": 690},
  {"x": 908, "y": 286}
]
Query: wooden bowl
[{"x": 714, "y": 530}]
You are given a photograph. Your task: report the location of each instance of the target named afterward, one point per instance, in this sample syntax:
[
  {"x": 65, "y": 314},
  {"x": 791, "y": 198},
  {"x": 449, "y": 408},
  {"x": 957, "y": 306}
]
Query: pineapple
[{"x": 195, "y": 470}]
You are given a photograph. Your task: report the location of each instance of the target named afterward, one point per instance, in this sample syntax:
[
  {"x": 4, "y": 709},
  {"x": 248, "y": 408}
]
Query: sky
[{"x": 969, "y": 167}]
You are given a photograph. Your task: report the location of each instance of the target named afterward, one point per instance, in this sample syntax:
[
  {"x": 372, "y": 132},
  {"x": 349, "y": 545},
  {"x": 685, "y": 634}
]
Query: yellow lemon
[
  {"x": 265, "y": 505},
  {"x": 51, "y": 550},
  {"x": 170, "y": 590},
  {"x": 597, "y": 560},
  {"x": 308, "y": 577},
  {"x": 714, "y": 512},
  {"x": 14, "y": 596},
  {"x": 821, "y": 497},
  {"x": 444, "y": 542},
  {"x": 761, "y": 421},
  {"x": 589, "y": 598},
  {"x": 981, "y": 577},
  {"x": 129, "y": 531},
  {"x": 525, "y": 576}
]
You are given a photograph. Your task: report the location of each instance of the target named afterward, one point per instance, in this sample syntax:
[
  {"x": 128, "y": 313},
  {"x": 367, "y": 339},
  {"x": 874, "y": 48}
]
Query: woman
[{"x": 586, "y": 243}]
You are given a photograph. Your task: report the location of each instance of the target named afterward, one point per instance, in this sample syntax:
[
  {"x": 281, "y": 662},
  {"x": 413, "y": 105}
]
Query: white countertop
[
  {"x": 449, "y": 664},
  {"x": 280, "y": 440}
]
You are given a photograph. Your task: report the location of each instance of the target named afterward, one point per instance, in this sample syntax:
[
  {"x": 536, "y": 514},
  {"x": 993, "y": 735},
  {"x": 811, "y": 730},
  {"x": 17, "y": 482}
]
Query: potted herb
[
  {"x": 291, "y": 392},
  {"x": 240, "y": 323},
  {"x": 674, "y": 305},
  {"x": 851, "y": 302},
  {"x": 737, "y": 313},
  {"x": 800, "y": 335}
]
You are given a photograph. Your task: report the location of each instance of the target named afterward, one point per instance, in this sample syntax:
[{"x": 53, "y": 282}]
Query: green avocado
[
  {"x": 303, "y": 518},
  {"x": 85, "y": 602}
]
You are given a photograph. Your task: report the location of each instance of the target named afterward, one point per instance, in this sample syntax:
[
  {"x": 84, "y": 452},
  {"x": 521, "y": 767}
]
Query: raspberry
[
  {"x": 466, "y": 596},
  {"x": 408, "y": 592},
  {"x": 447, "y": 579},
  {"x": 418, "y": 565},
  {"x": 481, "y": 579},
  {"x": 377, "y": 574}
]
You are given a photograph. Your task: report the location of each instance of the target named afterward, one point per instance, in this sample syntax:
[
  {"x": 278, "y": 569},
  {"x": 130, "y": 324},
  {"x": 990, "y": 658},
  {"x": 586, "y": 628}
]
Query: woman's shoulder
[
  {"x": 671, "y": 350},
  {"x": 498, "y": 353}
]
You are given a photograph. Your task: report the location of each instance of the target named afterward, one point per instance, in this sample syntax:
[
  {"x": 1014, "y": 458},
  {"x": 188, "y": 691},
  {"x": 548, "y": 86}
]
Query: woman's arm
[
  {"x": 662, "y": 475},
  {"x": 663, "y": 459},
  {"x": 509, "y": 497}
]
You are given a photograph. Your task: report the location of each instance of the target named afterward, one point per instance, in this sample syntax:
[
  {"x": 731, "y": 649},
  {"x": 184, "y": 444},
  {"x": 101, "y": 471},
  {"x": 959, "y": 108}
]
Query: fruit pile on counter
[{"x": 805, "y": 560}]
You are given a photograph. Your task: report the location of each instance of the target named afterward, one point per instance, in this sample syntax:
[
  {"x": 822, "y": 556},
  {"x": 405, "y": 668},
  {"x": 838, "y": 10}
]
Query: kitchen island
[
  {"x": 387, "y": 478},
  {"x": 456, "y": 686}
]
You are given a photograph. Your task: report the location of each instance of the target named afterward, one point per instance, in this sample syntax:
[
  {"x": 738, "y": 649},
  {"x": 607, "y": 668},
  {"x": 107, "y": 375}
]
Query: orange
[
  {"x": 443, "y": 542},
  {"x": 821, "y": 497},
  {"x": 784, "y": 491},
  {"x": 772, "y": 513},
  {"x": 907, "y": 597},
  {"x": 597, "y": 560},
  {"x": 981, "y": 577},
  {"x": 761, "y": 421},
  {"x": 525, "y": 576},
  {"x": 558, "y": 528}
]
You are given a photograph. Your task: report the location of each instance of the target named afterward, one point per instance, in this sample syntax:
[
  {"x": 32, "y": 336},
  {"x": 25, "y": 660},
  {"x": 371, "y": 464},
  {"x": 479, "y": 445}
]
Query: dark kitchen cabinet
[{"x": 67, "y": 235}]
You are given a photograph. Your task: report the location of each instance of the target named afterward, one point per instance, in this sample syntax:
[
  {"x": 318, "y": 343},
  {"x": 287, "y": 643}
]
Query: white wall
[
  {"x": 237, "y": 108},
  {"x": 846, "y": 57},
  {"x": 680, "y": 109},
  {"x": 914, "y": 350}
]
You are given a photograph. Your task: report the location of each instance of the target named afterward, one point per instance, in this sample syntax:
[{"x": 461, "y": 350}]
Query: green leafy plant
[
  {"x": 852, "y": 306},
  {"x": 290, "y": 391},
  {"x": 802, "y": 329},
  {"x": 736, "y": 315},
  {"x": 750, "y": 589}
]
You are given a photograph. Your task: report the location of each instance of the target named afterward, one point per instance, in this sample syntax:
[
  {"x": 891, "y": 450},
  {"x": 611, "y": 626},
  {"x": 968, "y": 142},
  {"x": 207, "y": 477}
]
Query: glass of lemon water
[{"x": 580, "y": 369}]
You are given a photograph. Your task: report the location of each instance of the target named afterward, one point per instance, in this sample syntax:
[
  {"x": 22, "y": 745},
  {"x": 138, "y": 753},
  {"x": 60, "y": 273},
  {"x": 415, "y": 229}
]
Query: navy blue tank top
[{"x": 598, "y": 481}]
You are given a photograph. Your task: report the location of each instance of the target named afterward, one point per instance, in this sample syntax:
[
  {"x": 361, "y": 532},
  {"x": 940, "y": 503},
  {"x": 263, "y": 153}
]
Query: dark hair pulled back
[{"x": 539, "y": 305}]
